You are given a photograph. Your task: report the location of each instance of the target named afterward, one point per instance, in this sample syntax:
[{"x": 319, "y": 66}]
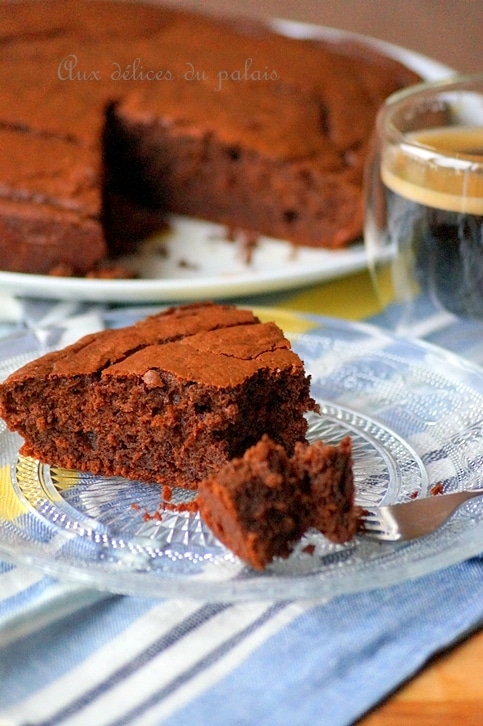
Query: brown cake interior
[{"x": 327, "y": 472}]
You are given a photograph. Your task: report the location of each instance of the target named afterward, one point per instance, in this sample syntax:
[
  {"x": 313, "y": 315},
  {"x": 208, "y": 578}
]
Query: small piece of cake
[
  {"x": 170, "y": 399},
  {"x": 261, "y": 504},
  {"x": 254, "y": 504},
  {"x": 327, "y": 472}
]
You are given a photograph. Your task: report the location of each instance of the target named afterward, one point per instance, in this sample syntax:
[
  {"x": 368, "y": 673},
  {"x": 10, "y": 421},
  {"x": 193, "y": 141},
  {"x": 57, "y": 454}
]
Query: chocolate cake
[
  {"x": 169, "y": 399},
  {"x": 327, "y": 473},
  {"x": 140, "y": 110},
  {"x": 49, "y": 205},
  {"x": 260, "y": 505}
]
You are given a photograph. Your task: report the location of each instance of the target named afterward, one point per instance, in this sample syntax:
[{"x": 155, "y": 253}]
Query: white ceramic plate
[
  {"x": 200, "y": 263},
  {"x": 415, "y": 414}
]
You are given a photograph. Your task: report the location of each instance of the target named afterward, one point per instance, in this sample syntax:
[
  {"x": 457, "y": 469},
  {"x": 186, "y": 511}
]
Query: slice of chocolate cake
[
  {"x": 169, "y": 399},
  {"x": 261, "y": 504}
]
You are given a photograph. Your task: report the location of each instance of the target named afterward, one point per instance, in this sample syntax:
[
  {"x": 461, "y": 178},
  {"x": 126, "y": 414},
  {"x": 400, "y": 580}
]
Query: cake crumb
[
  {"x": 152, "y": 379},
  {"x": 147, "y": 517},
  {"x": 62, "y": 269},
  {"x": 167, "y": 493},
  {"x": 247, "y": 239},
  {"x": 309, "y": 549},
  {"x": 187, "y": 265},
  {"x": 107, "y": 270}
]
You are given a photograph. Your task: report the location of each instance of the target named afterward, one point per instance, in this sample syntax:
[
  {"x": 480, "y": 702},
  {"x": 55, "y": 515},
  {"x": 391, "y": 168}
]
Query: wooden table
[{"x": 449, "y": 690}]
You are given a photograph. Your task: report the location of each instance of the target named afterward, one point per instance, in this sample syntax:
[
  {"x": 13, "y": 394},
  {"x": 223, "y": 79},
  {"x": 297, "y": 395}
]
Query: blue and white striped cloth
[{"x": 73, "y": 656}]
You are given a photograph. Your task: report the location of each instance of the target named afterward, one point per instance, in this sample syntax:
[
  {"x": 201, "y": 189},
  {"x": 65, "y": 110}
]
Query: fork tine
[
  {"x": 380, "y": 524},
  {"x": 370, "y": 523}
]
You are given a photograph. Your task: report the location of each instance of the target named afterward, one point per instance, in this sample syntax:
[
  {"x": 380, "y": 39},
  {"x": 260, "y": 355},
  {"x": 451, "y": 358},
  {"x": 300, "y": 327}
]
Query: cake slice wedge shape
[{"x": 170, "y": 399}]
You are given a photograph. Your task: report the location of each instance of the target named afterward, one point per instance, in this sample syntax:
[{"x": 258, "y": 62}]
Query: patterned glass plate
[{"x": 415, "y": 414}]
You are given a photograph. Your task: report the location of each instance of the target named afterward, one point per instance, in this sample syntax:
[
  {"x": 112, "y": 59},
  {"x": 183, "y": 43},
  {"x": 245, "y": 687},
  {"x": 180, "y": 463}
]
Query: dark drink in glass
[{"x": 424, "y": 198}]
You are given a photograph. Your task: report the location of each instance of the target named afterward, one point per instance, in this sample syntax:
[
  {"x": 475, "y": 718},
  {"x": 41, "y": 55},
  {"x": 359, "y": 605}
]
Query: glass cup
[{"x": 424, "y": 201}]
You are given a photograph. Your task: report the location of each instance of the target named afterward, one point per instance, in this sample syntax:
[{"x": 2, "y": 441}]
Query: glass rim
[
  {"x": 397, "y": 100},
  {"x": 451, "y": 82}
]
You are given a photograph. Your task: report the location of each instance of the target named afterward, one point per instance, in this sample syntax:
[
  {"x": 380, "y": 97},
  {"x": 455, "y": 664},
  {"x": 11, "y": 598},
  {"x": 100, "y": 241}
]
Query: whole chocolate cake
[
  {"x": 114, "y": 114},
  {"x": 169, "y": 399}
]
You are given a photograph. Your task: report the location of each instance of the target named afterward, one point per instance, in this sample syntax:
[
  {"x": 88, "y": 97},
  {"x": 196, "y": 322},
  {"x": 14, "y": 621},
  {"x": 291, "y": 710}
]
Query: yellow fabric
[
  {"x": 64, "y": 479},
  {"x": 350, "y": 298},
  {"x": 287, "y": 320},
  {"x": 11, "y": 506}
]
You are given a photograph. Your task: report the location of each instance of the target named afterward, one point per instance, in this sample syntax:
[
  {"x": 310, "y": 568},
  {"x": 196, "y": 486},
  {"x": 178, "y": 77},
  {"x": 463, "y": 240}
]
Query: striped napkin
[{"x": 72, "y": 656}]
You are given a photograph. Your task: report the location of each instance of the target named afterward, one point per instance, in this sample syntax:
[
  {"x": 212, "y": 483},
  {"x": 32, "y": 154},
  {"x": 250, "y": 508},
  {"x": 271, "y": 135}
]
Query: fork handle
[{"x": 424, "y": 519}]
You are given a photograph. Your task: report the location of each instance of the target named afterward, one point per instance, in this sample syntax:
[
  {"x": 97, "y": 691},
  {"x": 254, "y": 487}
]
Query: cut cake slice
[{"x": 169, "y": 399}]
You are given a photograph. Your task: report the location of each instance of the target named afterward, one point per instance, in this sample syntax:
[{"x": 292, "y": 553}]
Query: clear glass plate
[{"x": 415, "y": 414}]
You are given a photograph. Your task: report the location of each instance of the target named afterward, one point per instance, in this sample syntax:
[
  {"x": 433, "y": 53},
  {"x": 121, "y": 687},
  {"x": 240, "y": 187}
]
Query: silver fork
[{"x": 413, "y": 519}]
